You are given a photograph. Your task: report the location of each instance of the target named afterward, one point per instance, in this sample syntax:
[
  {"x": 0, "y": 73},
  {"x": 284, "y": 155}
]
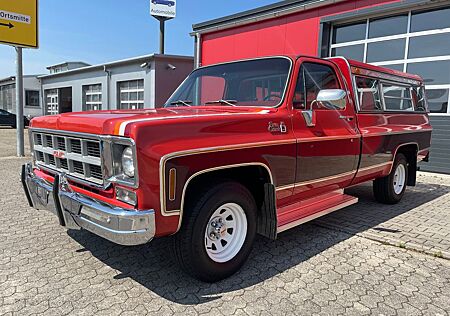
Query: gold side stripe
[
  {"x": 164, "y": 159},
  {"x": 340, "y": 175},
  {"x": 325, "y": 138},
  {"x": 393, "y": 133}
]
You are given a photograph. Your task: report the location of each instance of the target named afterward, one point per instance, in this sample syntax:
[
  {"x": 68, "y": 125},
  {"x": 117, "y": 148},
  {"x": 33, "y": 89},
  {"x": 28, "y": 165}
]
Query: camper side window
[
  {"x": 397, "y": 98},
  {"x": 368, "y": 94}
]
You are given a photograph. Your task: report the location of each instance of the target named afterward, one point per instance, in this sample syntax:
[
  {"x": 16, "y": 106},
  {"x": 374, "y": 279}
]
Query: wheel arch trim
[
  {"x": 180, "y": 212},
  {"x": 397, "y": 149}
]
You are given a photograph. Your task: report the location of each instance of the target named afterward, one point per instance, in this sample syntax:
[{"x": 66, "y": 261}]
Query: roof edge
[
  {"x": 258, "y": 14},
  {"x": 116, "y": 63}
]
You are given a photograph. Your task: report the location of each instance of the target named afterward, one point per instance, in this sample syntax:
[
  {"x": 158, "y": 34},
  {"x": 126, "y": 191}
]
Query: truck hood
[{"x": 119, "y": 122}]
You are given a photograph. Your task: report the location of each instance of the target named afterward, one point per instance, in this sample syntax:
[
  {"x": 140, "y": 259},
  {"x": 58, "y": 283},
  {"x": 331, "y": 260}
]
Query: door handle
[{"x": 347, "y": 118}]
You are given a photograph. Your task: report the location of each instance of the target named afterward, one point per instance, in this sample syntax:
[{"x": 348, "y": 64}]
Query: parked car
[
  {"x": 242, "y": 148},
  {"x": 9, "y": 119},
  {"x": 164, "y": 2}
]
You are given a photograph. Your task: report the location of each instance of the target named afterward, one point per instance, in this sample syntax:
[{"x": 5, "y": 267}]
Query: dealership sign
[{"x": 165, "y": 9}]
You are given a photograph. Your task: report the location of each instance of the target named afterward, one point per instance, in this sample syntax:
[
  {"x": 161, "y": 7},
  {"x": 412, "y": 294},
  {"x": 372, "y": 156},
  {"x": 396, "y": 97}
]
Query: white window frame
[
  {"x": 140, "y": 103},
  {"x": 405, "y": 61},
  {"x": 94, "y": 105},
  {"x": 51, "y": 107}
]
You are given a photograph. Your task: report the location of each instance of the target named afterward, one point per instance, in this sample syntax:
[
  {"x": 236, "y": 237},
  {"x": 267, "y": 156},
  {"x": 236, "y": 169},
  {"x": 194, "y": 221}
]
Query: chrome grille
[
  {"x": 38, "y": 139},
  {"x": 75, "y": 146},
  {"x": 61, "y": 143},
  {"x": 48, "y": 141},
  {"x": 77, "y": 157},
  {"x": 93, "y": 149}
]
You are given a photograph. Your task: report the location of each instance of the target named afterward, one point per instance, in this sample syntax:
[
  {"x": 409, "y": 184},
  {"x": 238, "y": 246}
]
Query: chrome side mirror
[
  {"x": 310, "y": 117},
  {"x": 332, "y": 99}
]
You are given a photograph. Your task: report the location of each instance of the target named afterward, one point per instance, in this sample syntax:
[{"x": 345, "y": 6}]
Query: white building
[
  {"x": 31, "y": 95},
  {"x": 141, "y": 82}
]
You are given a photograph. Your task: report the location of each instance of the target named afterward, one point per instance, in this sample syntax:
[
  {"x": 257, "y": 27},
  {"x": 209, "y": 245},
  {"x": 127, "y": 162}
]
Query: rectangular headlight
[{"x": 123, "y": 162}]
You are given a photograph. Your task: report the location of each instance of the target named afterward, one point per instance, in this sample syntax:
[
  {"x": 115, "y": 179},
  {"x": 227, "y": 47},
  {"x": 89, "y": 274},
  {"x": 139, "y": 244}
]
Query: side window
[
  {"x": 418, "y": 95},
  {"x": 397, "y": 98},
  {"x": 368, "y": 94},
  {"x": 313, "y": 78}
]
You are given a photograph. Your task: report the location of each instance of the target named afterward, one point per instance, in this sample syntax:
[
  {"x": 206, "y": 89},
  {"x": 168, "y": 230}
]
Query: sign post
[
  {"x": 19, "y": 28},
  {"x": 163, "y": 10},
  {"x": 19, "y": 104}
]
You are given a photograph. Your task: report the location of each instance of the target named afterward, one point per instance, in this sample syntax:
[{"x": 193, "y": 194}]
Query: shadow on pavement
[{"x": 152, "y": 265}]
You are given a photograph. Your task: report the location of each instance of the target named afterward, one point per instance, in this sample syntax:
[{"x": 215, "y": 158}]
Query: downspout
[
  {"x": 108, "y": 77},
  {"x": 198, "y": 50},
  {"x": 42, "y": 97}
]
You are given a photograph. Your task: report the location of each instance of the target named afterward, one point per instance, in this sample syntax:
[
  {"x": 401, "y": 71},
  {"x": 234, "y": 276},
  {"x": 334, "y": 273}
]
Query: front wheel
[
  {"x": 217, "y": 233},
  {"x": 390, "y": 189}
]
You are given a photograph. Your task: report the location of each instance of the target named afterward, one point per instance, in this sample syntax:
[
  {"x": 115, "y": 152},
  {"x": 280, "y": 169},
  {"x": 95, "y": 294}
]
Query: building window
[
  {"x": 417, "y": 42},
  {"x": 92, "y": 97},
  {"x": 131, "y": 94},
  {"x": 8, "y": 97},
  {"x": 32, "y": 98},
  {"x": 51, "y": 101}
]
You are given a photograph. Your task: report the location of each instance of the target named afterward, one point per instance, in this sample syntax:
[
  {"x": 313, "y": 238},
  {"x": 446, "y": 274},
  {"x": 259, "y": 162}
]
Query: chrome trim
[
  {"x": 70, "y": 133},
  {"x": 109, "y": 170},
  {"x": 122, "y": 226},
  {"x": 353, "y": 83},
  {"x": 180, "y": 212},
  {"x": 106, "y": 159},
  {"x": 165, "y": 158},
  {"x": 67, "y": 155}
]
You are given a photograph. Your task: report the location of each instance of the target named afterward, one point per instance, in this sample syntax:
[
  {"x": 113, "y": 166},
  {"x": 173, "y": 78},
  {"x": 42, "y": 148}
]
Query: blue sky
[{"x": 97, "y": 31}]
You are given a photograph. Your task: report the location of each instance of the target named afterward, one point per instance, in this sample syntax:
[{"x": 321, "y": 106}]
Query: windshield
[{"x": 260, "y": 82}]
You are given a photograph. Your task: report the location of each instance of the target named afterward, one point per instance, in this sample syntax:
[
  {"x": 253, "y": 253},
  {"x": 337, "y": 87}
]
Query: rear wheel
[
  {"x": 390, "y": 189},
  {"x": 217, "y": 233}
]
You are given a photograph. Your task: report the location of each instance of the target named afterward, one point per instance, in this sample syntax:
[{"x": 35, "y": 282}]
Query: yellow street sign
[{"x": 19, "y": 22}]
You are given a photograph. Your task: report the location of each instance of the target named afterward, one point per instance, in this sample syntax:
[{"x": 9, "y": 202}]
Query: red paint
[
  {"x": 296, "y": 34},
  {"x": 217, "y": 136}
]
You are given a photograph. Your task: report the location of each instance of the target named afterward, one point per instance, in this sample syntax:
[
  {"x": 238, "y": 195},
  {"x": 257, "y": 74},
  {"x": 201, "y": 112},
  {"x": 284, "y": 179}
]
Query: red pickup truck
[{"x": 241, "y": 148}]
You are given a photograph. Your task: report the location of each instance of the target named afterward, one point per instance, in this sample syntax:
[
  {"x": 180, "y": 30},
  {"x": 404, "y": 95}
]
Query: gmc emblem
[{"x": 58, "y": 154}]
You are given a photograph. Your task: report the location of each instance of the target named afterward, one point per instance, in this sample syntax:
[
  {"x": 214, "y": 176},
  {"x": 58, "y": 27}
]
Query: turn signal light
[{"x": 126, "y": 196}]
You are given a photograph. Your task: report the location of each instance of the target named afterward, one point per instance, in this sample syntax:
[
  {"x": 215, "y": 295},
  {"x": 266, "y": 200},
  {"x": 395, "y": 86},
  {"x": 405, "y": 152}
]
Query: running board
[{"x": 315, "y": 208}]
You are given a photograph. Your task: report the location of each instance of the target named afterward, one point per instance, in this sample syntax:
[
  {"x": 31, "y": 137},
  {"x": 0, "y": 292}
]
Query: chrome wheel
[
  {"x": 399, "y": 179},
  {"x": 226, "y": 232}
]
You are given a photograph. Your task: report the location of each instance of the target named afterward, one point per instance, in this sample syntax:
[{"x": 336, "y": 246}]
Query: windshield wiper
[
  {"x": 222, "y": 101},
  {"x": 181, "y": 102}
]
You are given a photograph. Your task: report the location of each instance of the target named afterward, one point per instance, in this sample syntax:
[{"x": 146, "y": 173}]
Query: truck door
[{"x": 328, "y": 141}]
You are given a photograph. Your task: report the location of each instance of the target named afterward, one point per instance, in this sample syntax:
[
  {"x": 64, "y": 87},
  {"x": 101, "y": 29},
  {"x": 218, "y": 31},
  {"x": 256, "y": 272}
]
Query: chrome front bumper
[{"x": 76, "y": 211}]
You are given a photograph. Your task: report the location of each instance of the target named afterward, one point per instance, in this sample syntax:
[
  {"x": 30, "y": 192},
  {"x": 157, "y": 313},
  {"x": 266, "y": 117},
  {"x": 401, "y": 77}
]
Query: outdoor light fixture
[
  {"x": 171, "y": 67},
  {"x": 145, "y": 65}
]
